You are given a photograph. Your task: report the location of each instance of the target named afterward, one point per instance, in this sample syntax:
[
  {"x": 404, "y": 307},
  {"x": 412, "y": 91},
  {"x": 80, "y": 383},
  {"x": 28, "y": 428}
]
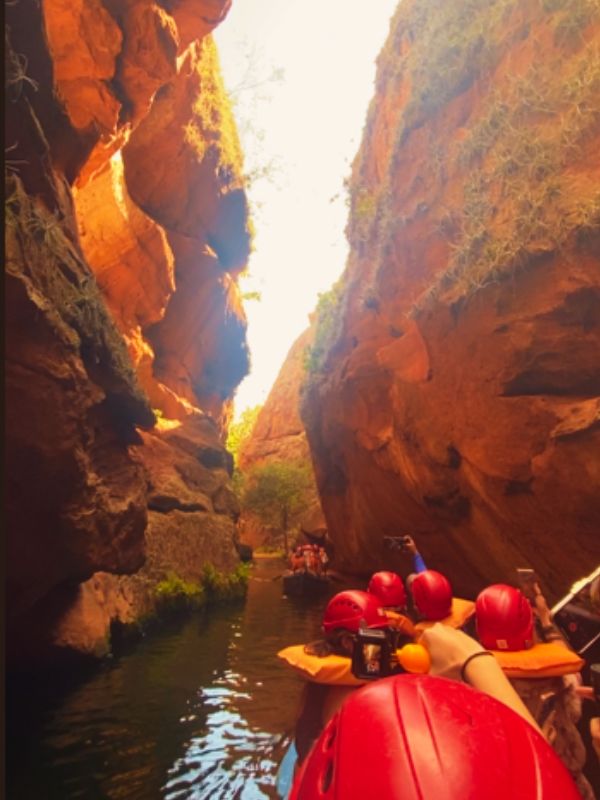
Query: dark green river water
[{"x": 203, "y": 709}]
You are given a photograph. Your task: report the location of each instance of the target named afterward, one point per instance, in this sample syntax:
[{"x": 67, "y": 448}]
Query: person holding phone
[
  {"x": 430, "y": 590},
  {"x": 409, "y": 546},
  {"x": 564, "y": 713}
]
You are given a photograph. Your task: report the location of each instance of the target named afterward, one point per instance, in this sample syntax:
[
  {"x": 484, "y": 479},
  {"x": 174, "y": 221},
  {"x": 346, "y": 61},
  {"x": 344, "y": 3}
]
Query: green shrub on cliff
[
  {"x": 328, "y": 326},
  {"x": 453, "y": 44},
  {"x": 520, "y": 149},
  {"x": 520, "y": 201},
  {"x": 212, "y": 124}
]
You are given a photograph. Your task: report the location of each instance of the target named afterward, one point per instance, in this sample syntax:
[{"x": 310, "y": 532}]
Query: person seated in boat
[
  {"x": 431, "y": 597},
  {"x": 505, "y": 625},
  {"x": 431, "y": 590},
  {"x": 323, "y": 560},
  {"x": 409, "y": 545},
  {"x": 419, "y": 567},
  {"x": 504, "y": 618},
  {"x": 318, "y": 566},
  {"x": 297, "y": 560},
  {"x": 431, "y": 594},
  {"x": 422, "y": 736},
  {"x": 388, "y": 588},
  {"x": 431, "y": 600},
  {"x": 306, "y": 556},
  {"x": 310, "y": 559},
  {"x": 343, "y": 616},
  {"x": 560, "y": 714}
]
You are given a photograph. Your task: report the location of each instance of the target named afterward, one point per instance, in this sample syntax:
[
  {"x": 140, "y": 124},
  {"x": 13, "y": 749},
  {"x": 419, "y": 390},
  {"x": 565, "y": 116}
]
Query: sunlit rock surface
[
  {"x": 127, "y": 225},
  {"x": 278, "y": 432},
  {"x": 456, "y": 397}
]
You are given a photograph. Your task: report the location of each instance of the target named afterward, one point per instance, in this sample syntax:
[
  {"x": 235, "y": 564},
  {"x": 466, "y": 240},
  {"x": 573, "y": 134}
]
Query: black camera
[{"x": 374, "y": 653}]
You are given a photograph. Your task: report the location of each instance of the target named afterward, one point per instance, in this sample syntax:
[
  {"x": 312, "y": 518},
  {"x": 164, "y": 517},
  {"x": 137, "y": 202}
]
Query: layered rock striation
[
  {"x": 454, "y": 389},
  {"x": 126, "y": 228}
]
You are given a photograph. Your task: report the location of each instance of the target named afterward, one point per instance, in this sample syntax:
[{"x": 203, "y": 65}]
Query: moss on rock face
[
  {"x": 174, "y": 597},
  {"x": 40, "y": 254},
  {"x": 174, "y": 593},
  {"x": 329, "y": 313},
  {"x": 536, "y": 106},
  {"x": 212, "y": 124},
  {"x": 521, "y": 200},
  {"x": 222, "y": 587}
]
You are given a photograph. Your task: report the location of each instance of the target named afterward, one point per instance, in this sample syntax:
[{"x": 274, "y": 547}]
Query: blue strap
[{"x": 418, "y": 563}]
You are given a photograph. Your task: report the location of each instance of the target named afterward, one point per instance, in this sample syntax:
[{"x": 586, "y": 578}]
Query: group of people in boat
[
  {"x": 502, "y": 644},
  {"x": 311, "y": 558}
]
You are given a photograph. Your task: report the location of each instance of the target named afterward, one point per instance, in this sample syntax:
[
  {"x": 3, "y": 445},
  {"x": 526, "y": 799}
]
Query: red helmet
[
  {"x": 388, "y": 588},
  {"x": 418, "y": 736},
  {"x": 347, "y": 609},
  {"x": 504, "y": 618},
  {"x": 432, "y": 594}
]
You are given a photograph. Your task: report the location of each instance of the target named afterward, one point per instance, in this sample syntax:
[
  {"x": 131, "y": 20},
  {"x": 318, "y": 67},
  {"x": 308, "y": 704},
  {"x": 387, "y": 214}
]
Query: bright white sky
[{"x": 304, "y": 128}]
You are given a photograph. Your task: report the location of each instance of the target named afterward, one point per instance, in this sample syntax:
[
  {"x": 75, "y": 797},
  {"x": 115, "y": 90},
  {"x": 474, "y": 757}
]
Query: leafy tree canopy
[{"x": 276, "y": 490}]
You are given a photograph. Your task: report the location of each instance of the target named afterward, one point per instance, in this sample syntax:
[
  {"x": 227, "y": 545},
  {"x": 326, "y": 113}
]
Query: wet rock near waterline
[{"x": 189, "y": 526}]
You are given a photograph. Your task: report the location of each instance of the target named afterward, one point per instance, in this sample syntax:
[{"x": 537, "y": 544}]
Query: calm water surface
[{"x": 204, "y": 710}]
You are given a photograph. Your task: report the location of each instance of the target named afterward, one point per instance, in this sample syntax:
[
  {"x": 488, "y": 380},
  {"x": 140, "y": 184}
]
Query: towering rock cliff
[
  {"x": 278, "y": 435},
  {"x": 127, "y": 225},
  {"x": 456, "y": 371},
  {"x": 278, "y": 432}
]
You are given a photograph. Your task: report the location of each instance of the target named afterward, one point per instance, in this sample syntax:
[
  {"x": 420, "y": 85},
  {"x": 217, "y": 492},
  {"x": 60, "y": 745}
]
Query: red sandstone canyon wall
[
  {"x": 127, "y": 225},
  {"x": 455, "y": 388}
]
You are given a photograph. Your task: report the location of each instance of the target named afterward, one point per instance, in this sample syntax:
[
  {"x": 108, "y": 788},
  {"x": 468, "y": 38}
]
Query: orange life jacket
[{"x": 462, "y": 611}]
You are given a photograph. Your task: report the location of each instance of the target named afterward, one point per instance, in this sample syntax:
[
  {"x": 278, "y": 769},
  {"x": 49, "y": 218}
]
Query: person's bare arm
[
  {"x": 541, "y": 610},
  {"x": 410, "y": 546},
  {"x": 457, "y": 656}
]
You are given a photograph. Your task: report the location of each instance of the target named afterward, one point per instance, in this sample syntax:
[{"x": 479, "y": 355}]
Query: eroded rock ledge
[{"x": 127, "y": 226}]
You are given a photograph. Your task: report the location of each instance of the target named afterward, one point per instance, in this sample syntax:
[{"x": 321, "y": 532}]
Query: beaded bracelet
[{"x": 470, "y": 658}]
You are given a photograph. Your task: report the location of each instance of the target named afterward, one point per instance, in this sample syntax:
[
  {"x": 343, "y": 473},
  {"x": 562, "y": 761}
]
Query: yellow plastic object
[
  {"x": 414, "y": 658},
  {"x": 462, "y": 611},
  {"x": 544, "y": 660},
  {"x": 334, "y": 670}
]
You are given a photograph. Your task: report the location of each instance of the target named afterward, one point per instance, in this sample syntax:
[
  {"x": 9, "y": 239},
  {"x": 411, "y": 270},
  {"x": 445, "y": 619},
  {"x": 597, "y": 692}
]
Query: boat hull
[{"x": 304, "y": 584}]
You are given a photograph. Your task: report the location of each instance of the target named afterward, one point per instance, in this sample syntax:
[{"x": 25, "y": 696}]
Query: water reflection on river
[{"x": 202, "y": 711}]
